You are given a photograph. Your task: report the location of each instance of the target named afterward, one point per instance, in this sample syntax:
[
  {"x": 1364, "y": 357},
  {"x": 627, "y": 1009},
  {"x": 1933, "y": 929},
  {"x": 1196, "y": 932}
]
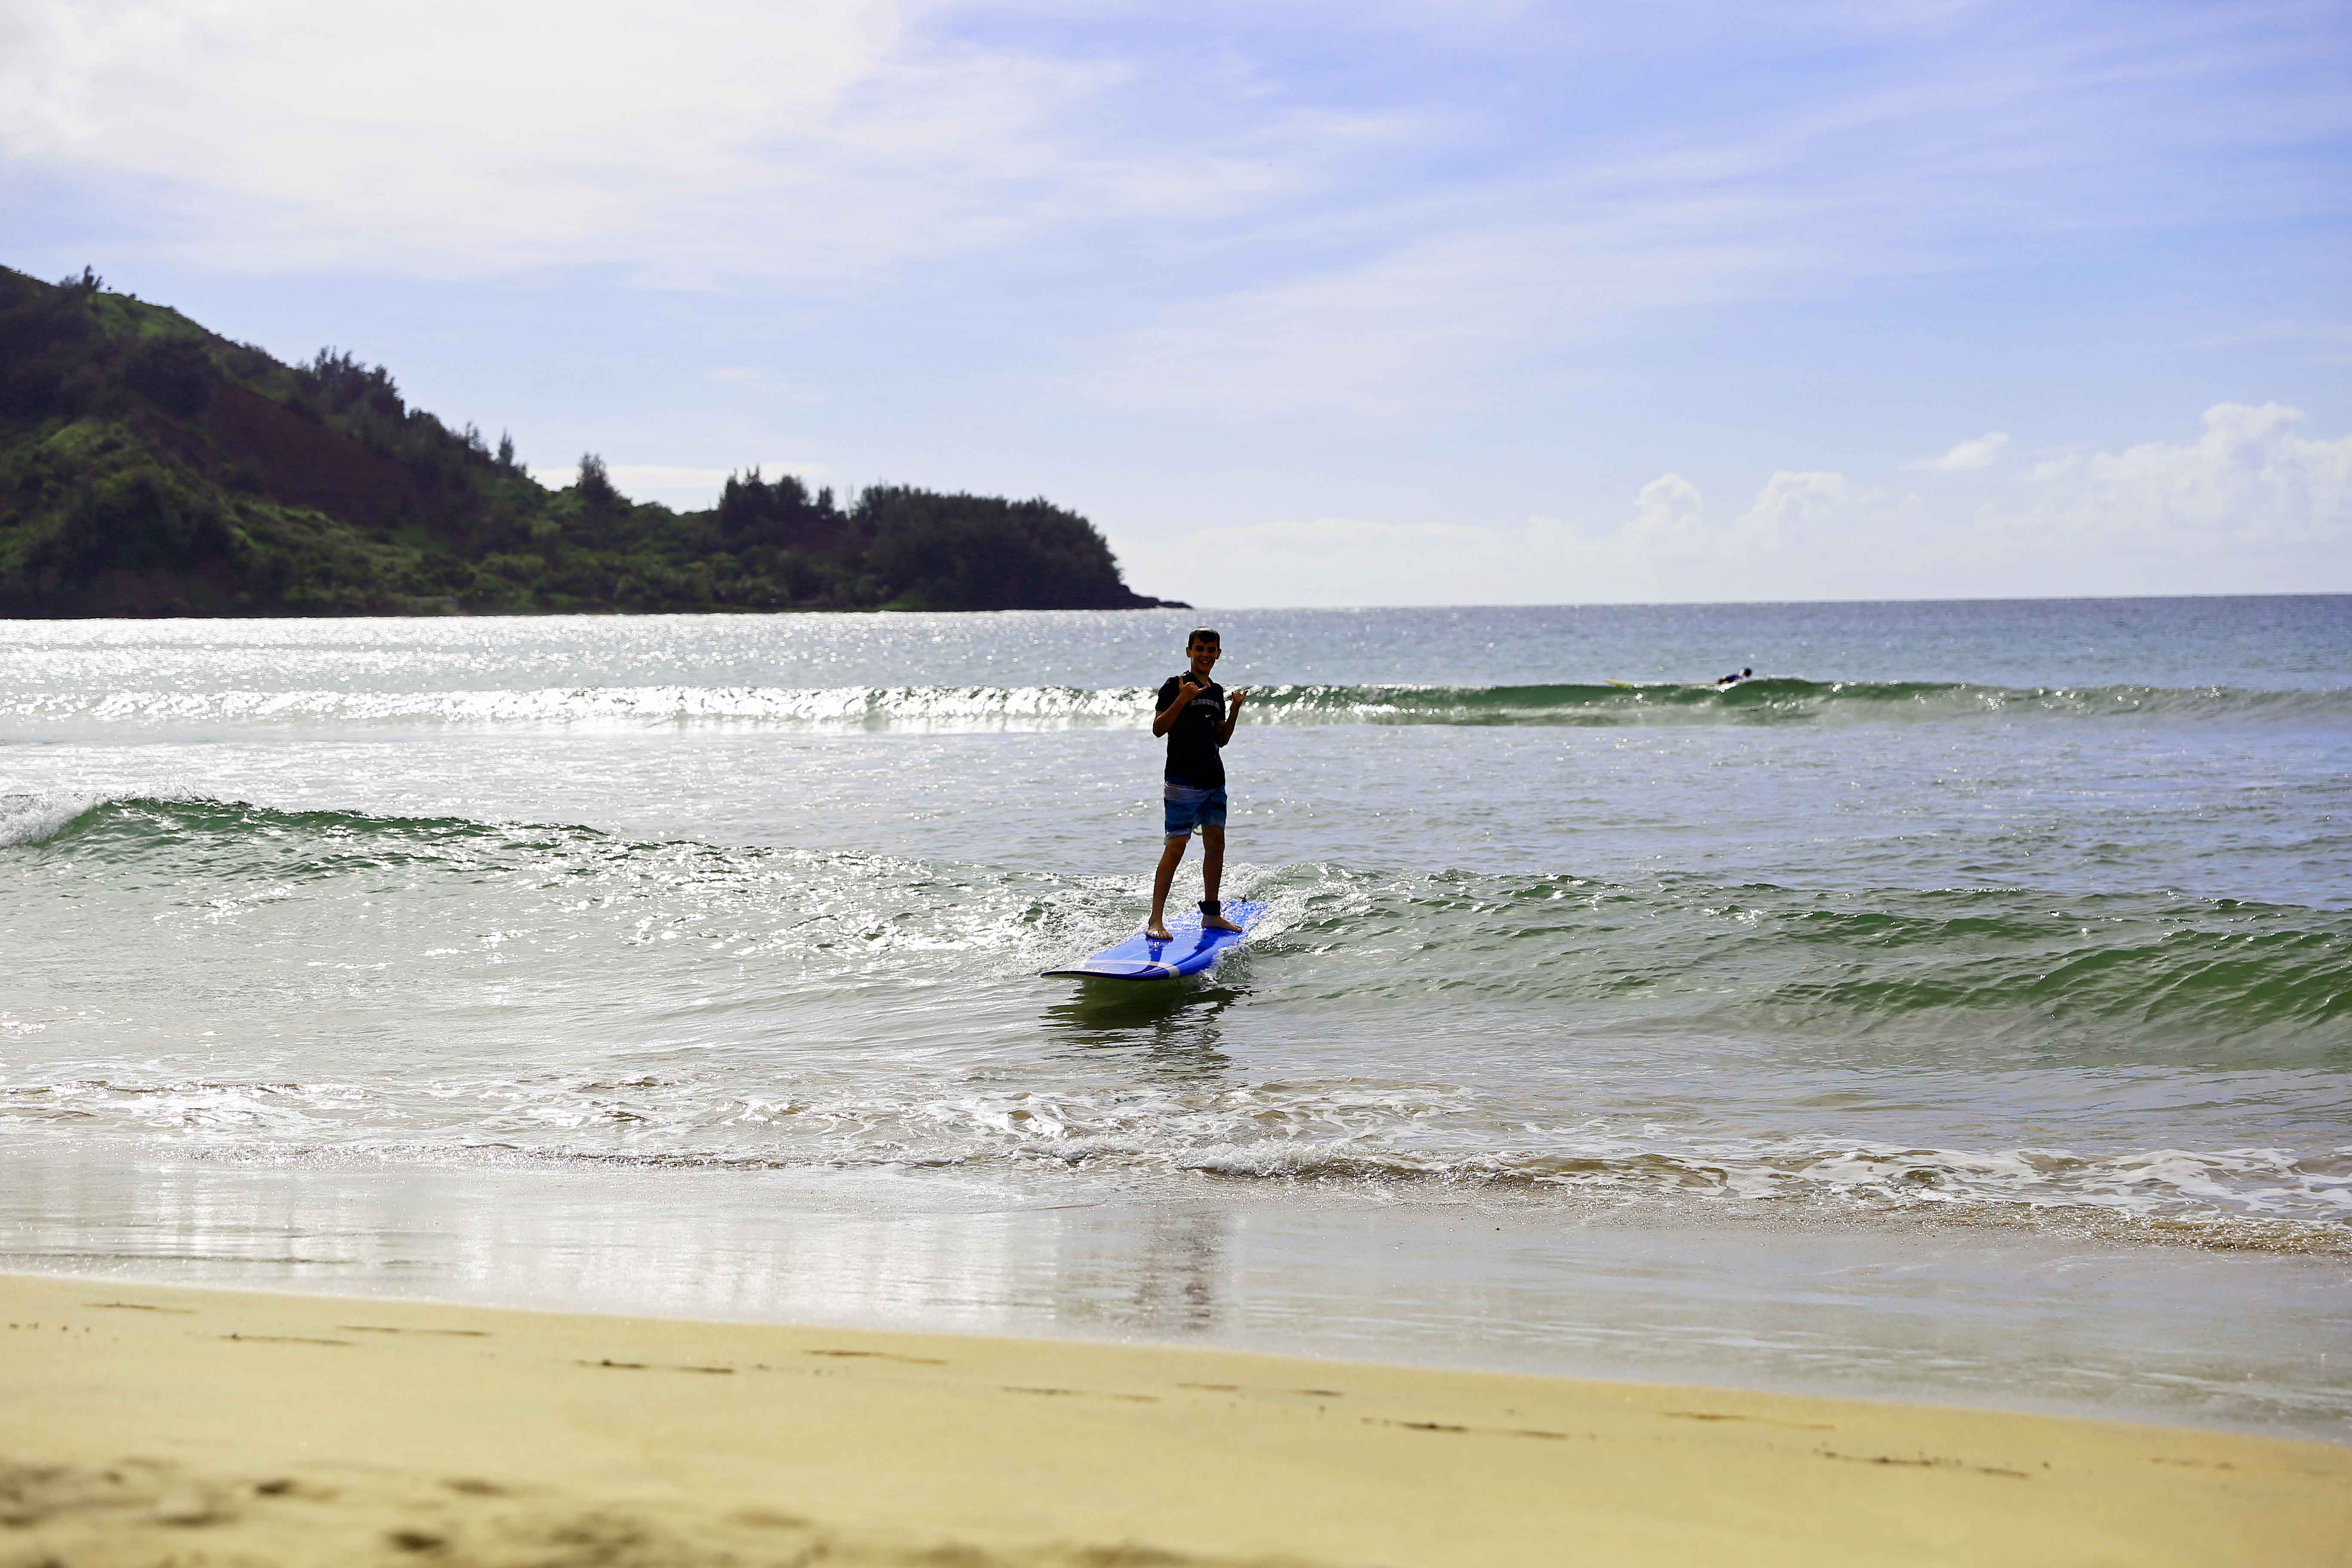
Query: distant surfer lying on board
[
  {"x": 1197, "y": 716},
  {"x": 1735, "y": 680}
]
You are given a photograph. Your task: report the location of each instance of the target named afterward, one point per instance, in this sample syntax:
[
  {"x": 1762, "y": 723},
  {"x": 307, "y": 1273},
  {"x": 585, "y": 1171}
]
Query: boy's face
[{"x": 1203, "y": 655}]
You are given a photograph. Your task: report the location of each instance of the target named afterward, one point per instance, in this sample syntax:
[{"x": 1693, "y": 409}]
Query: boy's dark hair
[{"x": 1204, "y": 634}]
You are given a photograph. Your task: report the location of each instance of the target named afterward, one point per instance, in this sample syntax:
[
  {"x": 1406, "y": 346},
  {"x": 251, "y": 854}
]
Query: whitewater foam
[{"x": 983, "y": 709}]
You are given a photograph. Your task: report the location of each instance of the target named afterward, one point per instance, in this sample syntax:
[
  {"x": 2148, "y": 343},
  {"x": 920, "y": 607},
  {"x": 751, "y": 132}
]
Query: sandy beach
[{"x": 148, "y": 1425}]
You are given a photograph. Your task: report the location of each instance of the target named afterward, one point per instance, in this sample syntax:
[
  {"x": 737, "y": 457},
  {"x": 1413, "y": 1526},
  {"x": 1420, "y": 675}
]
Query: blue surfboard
[{"x": 1189, "y": 950}]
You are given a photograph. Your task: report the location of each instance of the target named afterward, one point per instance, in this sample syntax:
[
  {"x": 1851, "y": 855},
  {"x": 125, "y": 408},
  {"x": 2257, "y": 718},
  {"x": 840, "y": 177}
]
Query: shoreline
[
  {"x": 317, "y": 1429},
  {"x": 1960, "y": 1314}
]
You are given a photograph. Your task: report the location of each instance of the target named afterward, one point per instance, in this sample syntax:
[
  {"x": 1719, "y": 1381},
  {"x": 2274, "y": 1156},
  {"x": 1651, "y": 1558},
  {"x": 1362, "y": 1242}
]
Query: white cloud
[
  {"x": 400, "y": 134},
  {"x": 2251, "y": 504},
  {"x": 2252, "y": 479},
  {"x": 1966, "y": 456},
  {"x": 1797, "y": 517},
  {"x": 690, "y": 141},
  {"x": 1668, "y": 515}
]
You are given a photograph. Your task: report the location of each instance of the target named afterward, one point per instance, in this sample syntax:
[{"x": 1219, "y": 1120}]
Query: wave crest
[
  {"x": 1991, "y": 964},
  {"x": 963, "y": 708}
]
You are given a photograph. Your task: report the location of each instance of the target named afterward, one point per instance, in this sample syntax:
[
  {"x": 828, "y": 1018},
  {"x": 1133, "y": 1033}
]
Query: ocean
[{"x": 1961, "y": 1010}]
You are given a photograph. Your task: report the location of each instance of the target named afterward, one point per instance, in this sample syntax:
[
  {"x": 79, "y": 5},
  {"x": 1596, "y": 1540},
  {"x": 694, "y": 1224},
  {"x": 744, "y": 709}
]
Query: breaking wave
[
  {"x": 1853, "y": 1007},
  {"x": 1826, "y": 962},
  {"x": 960, "y": 708}
]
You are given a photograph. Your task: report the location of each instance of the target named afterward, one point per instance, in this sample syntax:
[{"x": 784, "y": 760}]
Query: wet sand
[
  {"x": 146, "y": 1423},
  {"x": 1953, "y": 1308}
]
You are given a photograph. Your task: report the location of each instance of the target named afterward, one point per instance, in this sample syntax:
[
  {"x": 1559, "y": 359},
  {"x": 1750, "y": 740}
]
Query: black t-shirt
[{"x": 1192, "y": 757}]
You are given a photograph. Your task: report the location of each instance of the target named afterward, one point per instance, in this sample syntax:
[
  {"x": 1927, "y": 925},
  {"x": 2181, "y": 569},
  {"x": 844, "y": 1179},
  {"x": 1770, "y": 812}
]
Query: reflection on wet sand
[
  {"x": 839, "y": 1246},
  {"x": 1744, "y": 1297}
]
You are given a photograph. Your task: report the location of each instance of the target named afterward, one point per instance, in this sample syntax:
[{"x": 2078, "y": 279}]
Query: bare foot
[
  {"x": 1157, "y": 931},
  {"x": 1217, "y": 922}
]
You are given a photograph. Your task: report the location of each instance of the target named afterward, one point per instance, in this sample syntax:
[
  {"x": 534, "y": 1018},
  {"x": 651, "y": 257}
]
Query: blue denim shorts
[{"x": 1186, "y": 808}]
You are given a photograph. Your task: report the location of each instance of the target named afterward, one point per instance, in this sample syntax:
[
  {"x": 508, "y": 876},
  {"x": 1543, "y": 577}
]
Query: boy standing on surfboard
[{"x": 1197, "y": 716}]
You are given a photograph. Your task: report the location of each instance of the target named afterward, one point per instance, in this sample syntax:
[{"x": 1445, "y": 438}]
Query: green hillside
[{"x": 151, "y": 467}]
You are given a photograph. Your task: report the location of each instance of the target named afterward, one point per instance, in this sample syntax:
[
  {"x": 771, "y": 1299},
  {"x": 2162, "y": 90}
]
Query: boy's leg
[
  {"x": 1170, "y": 855},
  {"x": 1212, "y": 872}
]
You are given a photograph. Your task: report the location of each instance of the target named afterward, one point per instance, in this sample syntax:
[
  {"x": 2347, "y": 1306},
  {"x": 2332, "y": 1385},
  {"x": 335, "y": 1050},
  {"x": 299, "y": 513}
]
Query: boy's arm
[
  {"x": 1165, "y": 720},
  {"x": 1233, "y": 701}
]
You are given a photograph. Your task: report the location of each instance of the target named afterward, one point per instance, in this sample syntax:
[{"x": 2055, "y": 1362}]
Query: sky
[{"x": 1364, "y": 303}]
